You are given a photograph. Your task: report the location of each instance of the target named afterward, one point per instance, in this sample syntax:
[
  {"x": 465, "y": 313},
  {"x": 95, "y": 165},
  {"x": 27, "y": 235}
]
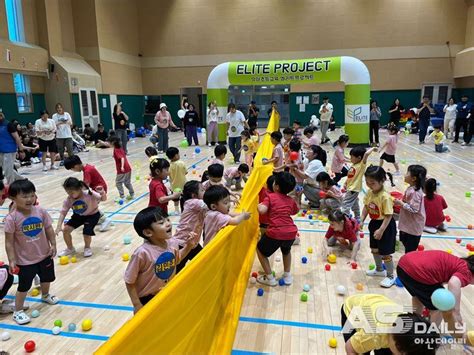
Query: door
[
  {"x": 89, "y": 109},
  {"x": 194, "y": 96},
  {"x": 439, "y": 94}
]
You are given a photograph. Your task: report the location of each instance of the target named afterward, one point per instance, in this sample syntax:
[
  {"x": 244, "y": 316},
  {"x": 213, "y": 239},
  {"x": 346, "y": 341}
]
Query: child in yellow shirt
[
  {"x": 177, "y": 173},
  {"x": 439, "y": 140}
]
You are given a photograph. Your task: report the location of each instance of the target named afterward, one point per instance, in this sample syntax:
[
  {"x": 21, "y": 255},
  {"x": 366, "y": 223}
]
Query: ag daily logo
[{"x": 357, "y": 113}]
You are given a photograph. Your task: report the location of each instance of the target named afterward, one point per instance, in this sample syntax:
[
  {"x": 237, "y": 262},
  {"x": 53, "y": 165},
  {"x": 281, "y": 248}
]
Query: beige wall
[
  {"x": 121, "y": 79},
  {"x": 67, "y": 26}
]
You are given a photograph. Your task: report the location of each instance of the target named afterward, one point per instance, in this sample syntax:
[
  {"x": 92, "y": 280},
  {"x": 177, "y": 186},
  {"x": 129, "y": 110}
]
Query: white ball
[
  {"x": 341, "y": 290},
  {"x": 278, "y": 258},
  {"x": 56, "y": 330},
  {"x": 306, "y": 288},
  {"x": 253, "y": 280},
  {"x": 106, "y": 247},
  {"x": 6, "y": 336}
]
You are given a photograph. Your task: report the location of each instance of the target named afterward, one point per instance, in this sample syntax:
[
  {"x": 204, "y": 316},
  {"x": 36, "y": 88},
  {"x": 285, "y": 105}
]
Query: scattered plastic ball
[
  {"x": 58, "y": 323},
  {"x": 197, "y": 150},
  {"x": 354, "y": 265},
  {"x": 137, "y": 178},
  {"x": 421, "y": 247},
  {"x": 304, "y": 297},
  {"x": 73, "y": 259},
  {"x": 294, "y": 156},
  {"x": 361, "y": 235},
  {"x": 449, "y": 251},
  {"x": 260, "y": 292},
  {"x": 327, "y": 267},
  {"x": 463, "y": 244},
  {"x": 322, "y": 194},
  {"x": 56, "y": 330},
  {"x": 71, "y": 327},
  {"x": 125, "y": 257},
  {"x": 86, "y": 324},
  {"x": 64, "y": 260},
  {"x": 310, "y": 250},
  {"x": 447, "y": 218},
  {"x": 332, "y": 258},
  {"x": 341, "y": 290},
  {"x": 306, "y": 288},
  {"x": 359, "y": 286},
  {"x": 120, "y": 202},
  {"x": 425, "y": 313},
  {"x": 332, "y": 343},
  {"x": 30, "y": 346},
  {"x": 458, "y": 240},
  {"x": 278, "y": 258},
  {"x": 443, "y": 299},
  {"x": 254, "y": 274},
  {"x": 35, "y": 292},
  {"x": 253, "y": 280},
  {"x": 5, "y": 336},
  {"x": 106, "y": 247},
  {"x": 468, "y": 194},
  {"x": 183, "y": 143},
  {"x": 310, "y": 216},
  {"x": 35, "y": 314},
  {"x": 281, "y": 282},
  {"x": 469, "y": 226},
  {"x": 127, "y": 239},
  {"x": 304, "y": 259}
]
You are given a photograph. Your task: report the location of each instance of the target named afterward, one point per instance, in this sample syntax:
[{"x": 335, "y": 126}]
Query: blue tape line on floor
[
  {"x": 290, "y": 323},
  {"x": 246, "y": 352},
  {"x": 24, "y": 328}
]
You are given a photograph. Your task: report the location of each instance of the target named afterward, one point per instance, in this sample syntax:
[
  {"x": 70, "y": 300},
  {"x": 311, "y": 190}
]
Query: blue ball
[
  {"x": 298, "y": 188},
  {"x": 120, "y": 202},
  {"x": 281, "y": 282},
  {"x": 199, "y": 130},
  {"x": 443, "y": 299},
  {"x": 194, "y": 166},
  {"x": 71, "y": 327},
  {"x": 398, "y": 282},
  {"x": 310, "y": 216},
  {"x": 304, "y": 259},
  {"x": 260, "y": 292},
  {"x": 197, "y": 150}
]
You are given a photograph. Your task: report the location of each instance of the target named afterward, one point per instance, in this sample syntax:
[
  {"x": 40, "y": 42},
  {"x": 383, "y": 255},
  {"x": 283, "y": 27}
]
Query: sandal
[
  {"x": 21, "y": 317},
  {"x": 50, "y": 299}
]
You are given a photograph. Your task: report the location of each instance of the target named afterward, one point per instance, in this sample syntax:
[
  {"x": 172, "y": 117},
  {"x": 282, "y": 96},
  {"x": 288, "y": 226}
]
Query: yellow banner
[{"x": 198, "y": 311}]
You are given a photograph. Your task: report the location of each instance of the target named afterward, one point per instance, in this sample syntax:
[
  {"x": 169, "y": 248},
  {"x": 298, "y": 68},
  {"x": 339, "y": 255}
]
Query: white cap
[{"x": 162, "y": 105}]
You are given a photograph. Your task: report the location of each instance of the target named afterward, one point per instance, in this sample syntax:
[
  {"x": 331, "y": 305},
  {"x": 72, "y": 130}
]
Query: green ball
[
  {"x": 371, "y": 266},
  {"x": 178, "y": 189},
  {"x": 468, "y": 193},
  {"x": 403, "y": 161},
  {"x": 304, "y": 297},
  {"x": 184, "y": 143},
  {"x": 58, "y": 323},
  {"x": 273, "y": 273}
]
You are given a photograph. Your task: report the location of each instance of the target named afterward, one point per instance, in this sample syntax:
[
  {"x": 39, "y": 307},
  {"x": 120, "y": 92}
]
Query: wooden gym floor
[{"x": 277, "y": 322}]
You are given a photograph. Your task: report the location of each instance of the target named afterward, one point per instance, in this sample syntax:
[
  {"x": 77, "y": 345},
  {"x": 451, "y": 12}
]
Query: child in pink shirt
[
  {"x": 153, "y": 264},
  {"x": 339, "y": 160},
  {"x": 277, "y": 155},
  {"x": 30, "y": 244},
  {"x": 124, "y": 171},
  {"x": 331, "y": 196},
  {"x": 84, "y": 203},
  {"x": 434, "y": 206},
  {"x": 220, "y": 152},
  {"x": 310, "y": 138},
  {"x": 412, "y": 212},
  {"x": 192, "y": 218},
  {"x": 390, "y": 147},
  {"x": 217, "y": 199},
  {"x": 235, "y": 175},
  {"x": 215, "y": 173}
]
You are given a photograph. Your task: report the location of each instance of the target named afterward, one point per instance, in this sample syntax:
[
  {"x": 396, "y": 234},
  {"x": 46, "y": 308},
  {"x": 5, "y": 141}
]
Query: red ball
[
  {"x": 361, "y": 235},
  {"x": 327, "y": 267},
  {"x": 2, "y": 263},
  {"x": 254, "y": 274},
  {"x": 426, "y": 312},
  {"x": 16, "y": 270},
  {"x": 343, "y": 190},
  {"x": 458, "y": 240},
  {"x": 30, "y": 346},
  {"x": 421, "y": 247},
  {"x": 322, "y": 194},
  {"x": 294, "y": 156},
  {"x": 469, "y": 247},
  {"x": 447, "y": 218},
  {"x": 354, "y": 265}
]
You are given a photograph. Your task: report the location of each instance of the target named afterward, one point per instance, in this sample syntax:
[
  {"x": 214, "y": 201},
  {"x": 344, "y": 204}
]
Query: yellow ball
[
  {"x": 87, "y": 324},
  {"x": 449, "y": 251},
  {"x": 73, "y": 259},
  {"x": 332, "y": 258},
  {"x": 470, "y": 253},
  {"x": 64, "y": 260},
  {"x": 359, "y": 286},
  {"x": 35, "y": 292},
  {"x": 125, "y": 257},
  {"x": 310, "y": 250},
  {"x": 325, "y": 219},
  {"x": 321, "y": 218},
  {"x": 332, "y": 342}
]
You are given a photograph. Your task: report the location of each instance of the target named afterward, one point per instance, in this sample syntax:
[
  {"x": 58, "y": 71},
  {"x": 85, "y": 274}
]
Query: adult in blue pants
[{"x": 236, "y": 123}]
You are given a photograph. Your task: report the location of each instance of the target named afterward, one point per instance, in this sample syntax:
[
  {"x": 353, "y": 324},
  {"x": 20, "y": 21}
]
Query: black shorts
[
  {"x": 267, "y": 246},
  {"x": 145, "y": 299},
  {"x": 388, "y": 158},
  {"x": 8, "y": 282},
  {"x": 409, "y": 241},
  {"x": 89, "y": 222},
  {"x": 44, "y": 269},
  {"x": 386, "y": 245},
  {"x": 417, "y": 289},
  {"x": 45, "y": 146}
]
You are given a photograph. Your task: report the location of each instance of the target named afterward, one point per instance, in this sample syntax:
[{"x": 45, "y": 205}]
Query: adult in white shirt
[
  {"x": 314, "y": 163},
  {"x": 325, "y": 111},
  {"x": 449, "y": 110},
  {"x": 46, "y": 131},
  {"x": 63, "y": 123},
  {"x": 236, "y": 123}
]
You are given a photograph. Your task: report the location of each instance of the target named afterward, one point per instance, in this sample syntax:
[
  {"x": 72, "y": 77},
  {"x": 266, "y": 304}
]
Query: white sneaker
[
  {"x": 374, "y": 272},
  {"x": 87, "y": 252},
  {"x": 297, "y": 241},
  {"x": 431, "y": 230},
  {"x": 105, "y": 225},
  {"x": 264, "y": 279},
  {"x": 209, "y": 144},
  {"x": 67, "y": 252},
  {"x": 45, "y": 168},
  {"x": 388, "y": 282},
  {"x": 21, "y": 317},
  {"x": 54, "y": 167},
  {"x": 463, "y": 143},
  {"x": 287, "y": 278}
]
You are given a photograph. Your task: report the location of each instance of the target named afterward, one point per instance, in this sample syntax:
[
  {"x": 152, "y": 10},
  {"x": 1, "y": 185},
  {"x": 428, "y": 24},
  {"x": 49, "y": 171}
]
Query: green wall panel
[
  {"x": 134, "y": 106},
  {"x": 105, "y": 112},
  {"x": 76, "y": 110},
  {"x": 10, "y": 108}
]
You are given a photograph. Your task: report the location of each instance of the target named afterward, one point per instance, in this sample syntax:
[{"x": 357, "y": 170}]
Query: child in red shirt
[
  {"x": 91, "y": 178},
  {"x": 434, "y": 206},
  {"x": 344, "y": 230},
  {"x": 281, "y": 231},
  {"x": 124, "y": 171},
  {"x": 159, "y": 196}
]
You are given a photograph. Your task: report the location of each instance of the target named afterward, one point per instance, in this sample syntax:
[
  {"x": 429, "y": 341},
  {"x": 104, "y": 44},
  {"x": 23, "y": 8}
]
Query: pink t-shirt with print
[
  {"x": 30, "y": 241},
  {"x": 192, "y": 220},
  {"x": 391, "y": 147},
  {"x": 231, "y": 173},
  {"x": 151, "y": 267},
  {"x": 338, "y": 160},
  {"x": 213, "y": 223},
  {"x": 85, "y": 205},
  {"x": 278, "y": 153},
  {"x": 313, "y": 140}
]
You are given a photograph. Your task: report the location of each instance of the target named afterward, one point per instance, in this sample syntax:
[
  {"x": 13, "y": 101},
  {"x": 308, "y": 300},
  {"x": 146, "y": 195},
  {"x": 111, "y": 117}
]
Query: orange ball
[
  {"x": 469, "y": 226},
  {"x": 359, "y": 286}
]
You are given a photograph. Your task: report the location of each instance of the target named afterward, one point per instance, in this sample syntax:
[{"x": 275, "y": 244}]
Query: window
[
  {"x": 16, "y": 31},
  {"x": 24, "y": 99}
]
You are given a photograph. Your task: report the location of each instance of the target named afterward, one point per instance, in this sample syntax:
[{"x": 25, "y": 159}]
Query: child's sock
[
  {"x": 286, "y": 274},
  {"x": 378, "y": 262},
  {"x": 389, "y": 267}
]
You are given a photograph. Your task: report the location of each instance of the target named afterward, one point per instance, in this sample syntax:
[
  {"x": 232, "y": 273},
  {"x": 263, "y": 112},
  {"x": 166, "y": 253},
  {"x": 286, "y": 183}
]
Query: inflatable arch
[{"x": 349, "y": 70}]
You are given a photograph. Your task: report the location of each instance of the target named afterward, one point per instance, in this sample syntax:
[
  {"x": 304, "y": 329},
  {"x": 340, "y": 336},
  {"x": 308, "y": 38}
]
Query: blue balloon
[{"x": 443, "y": 299}]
